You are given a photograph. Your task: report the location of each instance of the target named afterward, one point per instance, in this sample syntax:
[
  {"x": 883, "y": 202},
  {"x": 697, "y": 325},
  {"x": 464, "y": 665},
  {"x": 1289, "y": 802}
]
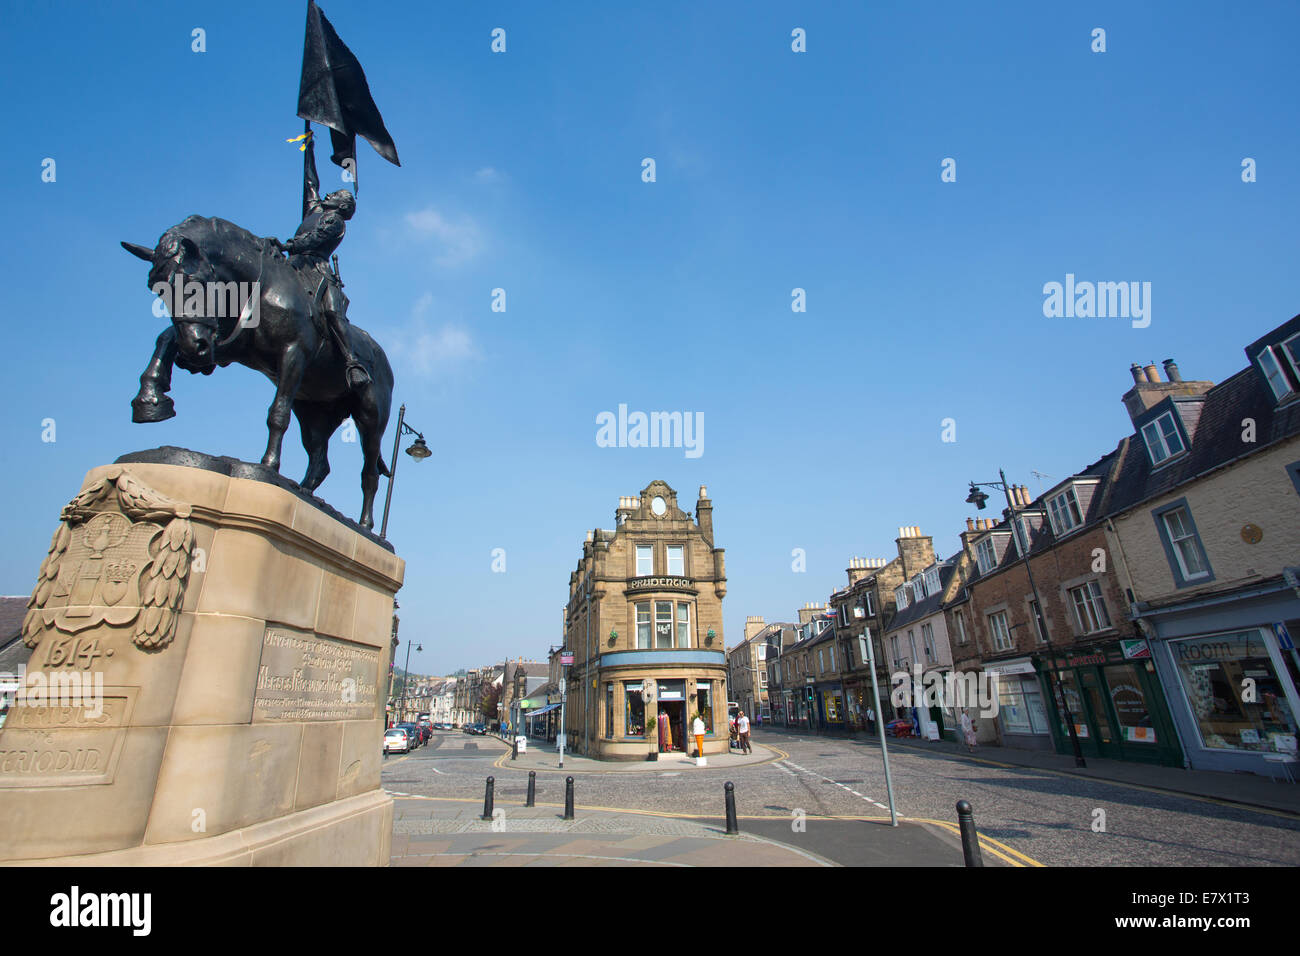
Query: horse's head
[{"x": 180, "y": 274}]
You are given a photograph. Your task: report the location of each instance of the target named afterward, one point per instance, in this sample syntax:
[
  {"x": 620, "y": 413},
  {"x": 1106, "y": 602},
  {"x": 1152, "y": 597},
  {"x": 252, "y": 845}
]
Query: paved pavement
[
  {"x": 827, "y": 796},
  {"x": 432, "y": 831}
]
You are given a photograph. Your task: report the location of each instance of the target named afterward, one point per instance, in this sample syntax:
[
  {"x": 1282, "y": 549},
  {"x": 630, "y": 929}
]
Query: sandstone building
[{"x": 643, "y": 623}]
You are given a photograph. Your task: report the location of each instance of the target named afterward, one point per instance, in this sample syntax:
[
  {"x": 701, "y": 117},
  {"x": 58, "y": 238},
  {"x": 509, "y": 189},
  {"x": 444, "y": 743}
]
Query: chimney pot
[
  {"x": 1153, "y": 374},
  {"x": 970, "y": 525},
  {"x": 1171, "y": 371},
  {"x": 1139, "y": 376}
]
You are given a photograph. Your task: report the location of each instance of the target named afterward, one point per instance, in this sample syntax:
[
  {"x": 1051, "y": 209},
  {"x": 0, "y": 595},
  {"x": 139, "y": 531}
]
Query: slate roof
[
  {"x": 1216, "y": 443},
  {"x": 914, "y": 612}
]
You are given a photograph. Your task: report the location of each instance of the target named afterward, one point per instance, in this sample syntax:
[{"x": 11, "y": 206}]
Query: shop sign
[
  {"x": 1135, "y": 650},
  {"x": 566, "y": 659},
  {"x": 1023, "y": 667}
]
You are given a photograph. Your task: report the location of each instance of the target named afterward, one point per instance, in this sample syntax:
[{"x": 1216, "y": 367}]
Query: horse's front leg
[
  {"x": 293, "y": 363},
  {"x": 151, "y": 403}
]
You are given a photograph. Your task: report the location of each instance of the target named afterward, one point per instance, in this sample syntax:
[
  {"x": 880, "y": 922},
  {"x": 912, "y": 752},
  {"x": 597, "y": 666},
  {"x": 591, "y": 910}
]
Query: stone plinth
[{"x": 207, "y": 682}]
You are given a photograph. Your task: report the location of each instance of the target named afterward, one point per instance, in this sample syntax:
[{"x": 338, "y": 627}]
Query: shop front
[
  {"x": 651, "y": 699},
  {"x": 1117, "y": 703},
  {"x": 1229, "y": 669},
  {"x": 1022, "y": 716}
]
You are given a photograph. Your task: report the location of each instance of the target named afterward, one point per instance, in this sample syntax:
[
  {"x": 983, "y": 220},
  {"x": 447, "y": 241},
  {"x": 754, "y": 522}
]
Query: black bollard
[
  {"x": 514, "y": 751},
  {"x": 732, "y": 826},
  {"x": 970, "y": 841},
  {"x": 487, "y": 798},
  {"x": 532, "y": 788},
  {"x": 568, "y": 798}
]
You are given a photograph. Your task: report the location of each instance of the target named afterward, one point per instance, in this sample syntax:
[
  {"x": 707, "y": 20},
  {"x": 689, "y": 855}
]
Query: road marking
[{"x": 813, "y": 773}]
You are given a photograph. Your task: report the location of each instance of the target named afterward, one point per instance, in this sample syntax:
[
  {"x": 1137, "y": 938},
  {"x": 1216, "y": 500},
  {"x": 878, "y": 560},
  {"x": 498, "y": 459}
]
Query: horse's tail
[{"x": 383, "y": 469}]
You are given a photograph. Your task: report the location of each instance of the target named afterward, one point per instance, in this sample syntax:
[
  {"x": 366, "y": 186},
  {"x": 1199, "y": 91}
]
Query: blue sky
[{"x": 775, "y": 170}]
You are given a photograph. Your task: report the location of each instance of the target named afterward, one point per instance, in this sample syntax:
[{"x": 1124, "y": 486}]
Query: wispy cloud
[
  {"x": 457, "y": 242},
  {"x": 426, "y": 349},
  {"x": 488, "y": 174}
]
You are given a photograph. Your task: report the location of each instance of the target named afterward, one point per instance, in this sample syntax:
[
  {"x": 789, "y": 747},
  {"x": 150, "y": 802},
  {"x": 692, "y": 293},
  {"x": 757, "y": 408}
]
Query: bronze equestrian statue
[
  {"x": 291, "y": 324},
  {"x": 324, "y": 368}
]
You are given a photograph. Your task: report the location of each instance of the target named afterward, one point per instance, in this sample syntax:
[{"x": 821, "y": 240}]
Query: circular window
[{"x": 658, "y": 506}]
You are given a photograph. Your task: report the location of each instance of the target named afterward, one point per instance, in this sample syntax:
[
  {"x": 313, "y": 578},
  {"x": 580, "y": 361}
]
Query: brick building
[{"x": 644, "y": 625}]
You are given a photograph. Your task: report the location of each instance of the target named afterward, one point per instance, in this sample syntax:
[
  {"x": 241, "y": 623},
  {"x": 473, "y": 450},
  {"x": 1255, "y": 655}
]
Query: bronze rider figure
[{"x": 322, "y": 230}]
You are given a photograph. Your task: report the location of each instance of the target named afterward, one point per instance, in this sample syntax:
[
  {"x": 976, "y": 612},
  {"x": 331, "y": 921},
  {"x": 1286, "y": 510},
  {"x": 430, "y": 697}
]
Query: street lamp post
[
  {"x": 406, "y": 676},
  {"x": 978, "y": 498},
  {"x": 418, "y": 450}
]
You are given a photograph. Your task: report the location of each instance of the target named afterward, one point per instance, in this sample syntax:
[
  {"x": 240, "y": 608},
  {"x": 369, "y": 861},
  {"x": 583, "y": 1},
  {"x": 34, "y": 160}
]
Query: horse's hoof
[{"x": 144, "y": 411}]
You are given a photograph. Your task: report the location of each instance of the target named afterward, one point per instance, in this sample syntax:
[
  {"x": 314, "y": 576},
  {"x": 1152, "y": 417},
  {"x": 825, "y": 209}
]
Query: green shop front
[{"x": 1116, "y": 700}]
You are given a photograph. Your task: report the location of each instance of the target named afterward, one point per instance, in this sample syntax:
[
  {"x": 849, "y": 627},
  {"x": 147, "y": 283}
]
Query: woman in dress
[{"x": 968, "y": 731}]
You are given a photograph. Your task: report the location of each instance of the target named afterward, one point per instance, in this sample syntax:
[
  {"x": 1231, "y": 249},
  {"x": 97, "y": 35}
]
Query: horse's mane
[{"x": 206, "y": 230}]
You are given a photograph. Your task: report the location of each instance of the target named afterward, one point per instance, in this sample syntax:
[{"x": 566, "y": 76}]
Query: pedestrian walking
[
  {"x": 871, "y": 721},
  {"x": 968, "y": 731},
  {"x": 697, "y": 730},
  {"x": 742, "y": 728}
]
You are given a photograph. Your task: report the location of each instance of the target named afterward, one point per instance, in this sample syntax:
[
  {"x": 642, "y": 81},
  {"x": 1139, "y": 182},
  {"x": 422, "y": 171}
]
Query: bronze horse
[{"x": 273, "y": 332}]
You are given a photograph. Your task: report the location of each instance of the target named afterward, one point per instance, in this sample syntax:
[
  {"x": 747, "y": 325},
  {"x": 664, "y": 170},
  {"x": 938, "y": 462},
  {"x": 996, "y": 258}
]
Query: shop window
[
  {"x": 1230, "y": 713},
  {"x": 643, "y": 626},
  {"x": 1020, "y": 706},
  {"x": 635, "y": 709},
  {"x": 609, "y": 710},
  {"x": 704, "y": 705},
  {"x": 1130, "y": 703}
]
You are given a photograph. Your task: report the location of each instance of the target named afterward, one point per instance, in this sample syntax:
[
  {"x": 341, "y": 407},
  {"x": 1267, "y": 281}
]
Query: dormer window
[
  {"x": 918, "y": 588},
  {"x": 1063, "y": 509},
  {"x": 986, "y": 556},
  {"x": 1162, "y": 438},
  {"x": 1272, "y": 367},
  {"x": 932, "y": 580},
  {"x": 900, "y": 596}
]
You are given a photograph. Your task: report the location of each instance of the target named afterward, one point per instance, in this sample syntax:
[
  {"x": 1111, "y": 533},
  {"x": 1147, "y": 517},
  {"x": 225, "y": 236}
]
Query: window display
[
  {"x": 1235, "y": 695},
  {"x": 635, "y": 708}
]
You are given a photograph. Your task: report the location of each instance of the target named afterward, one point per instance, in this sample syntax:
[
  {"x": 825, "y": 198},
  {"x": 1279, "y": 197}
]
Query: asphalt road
[{"x": 1044, "y": 817}]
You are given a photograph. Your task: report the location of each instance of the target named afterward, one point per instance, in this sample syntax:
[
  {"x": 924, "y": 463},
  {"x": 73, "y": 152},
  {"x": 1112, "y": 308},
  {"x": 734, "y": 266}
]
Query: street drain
[{"x": 850, "y": 781}]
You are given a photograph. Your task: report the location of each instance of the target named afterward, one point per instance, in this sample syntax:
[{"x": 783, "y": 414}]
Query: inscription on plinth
[{"x": 303, "y": 676}]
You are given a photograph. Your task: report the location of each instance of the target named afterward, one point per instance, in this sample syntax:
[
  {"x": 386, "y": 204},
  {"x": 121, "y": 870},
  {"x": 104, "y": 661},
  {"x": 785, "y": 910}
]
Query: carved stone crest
[{"x": 112, "y": 561}]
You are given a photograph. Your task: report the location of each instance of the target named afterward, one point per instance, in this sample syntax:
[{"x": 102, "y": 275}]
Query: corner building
[{"x": 644, "y": 625}]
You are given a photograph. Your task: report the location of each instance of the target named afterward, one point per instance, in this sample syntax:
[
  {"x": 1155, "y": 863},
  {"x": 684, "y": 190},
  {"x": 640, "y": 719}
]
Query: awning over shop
[{"x": 536, "y": 713}]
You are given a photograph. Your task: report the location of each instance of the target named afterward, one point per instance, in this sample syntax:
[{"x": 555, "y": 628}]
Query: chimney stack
[
  {"x": 704, "y": 515},
  {"x": 1148, "y": 390}
]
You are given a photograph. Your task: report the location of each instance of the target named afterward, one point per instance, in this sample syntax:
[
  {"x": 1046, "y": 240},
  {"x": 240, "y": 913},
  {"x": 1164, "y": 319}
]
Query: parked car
[
  {"x": 417, "y": 735},
  {"x": 476, "y": 729},
  {"x": 397, "y": 740}
]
